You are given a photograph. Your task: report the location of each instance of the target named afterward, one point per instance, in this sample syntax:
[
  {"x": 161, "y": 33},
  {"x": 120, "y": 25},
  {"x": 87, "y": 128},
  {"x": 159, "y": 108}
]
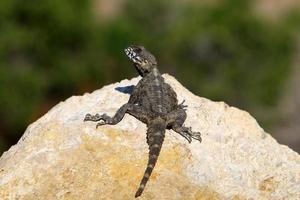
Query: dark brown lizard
[{"x": 153, "y": 102}]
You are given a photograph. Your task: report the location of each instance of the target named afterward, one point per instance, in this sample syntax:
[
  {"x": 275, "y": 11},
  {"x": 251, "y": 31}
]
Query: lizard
[{"x": 154, "y": 103}]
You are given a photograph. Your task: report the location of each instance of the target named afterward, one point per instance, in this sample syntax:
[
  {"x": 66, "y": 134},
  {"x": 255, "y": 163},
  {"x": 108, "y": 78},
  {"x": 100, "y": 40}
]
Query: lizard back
[{"x": 157, "y": 97}]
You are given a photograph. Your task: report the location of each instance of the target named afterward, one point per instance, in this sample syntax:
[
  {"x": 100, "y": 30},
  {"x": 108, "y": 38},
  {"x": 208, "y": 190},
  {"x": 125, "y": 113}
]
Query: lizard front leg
[
  {"x": 105, "y": 119},
  {"x": 175, "y": 120}
]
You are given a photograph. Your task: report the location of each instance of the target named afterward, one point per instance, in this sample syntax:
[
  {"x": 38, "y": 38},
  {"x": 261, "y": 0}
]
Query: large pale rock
[{"x": 62, "y": 157}]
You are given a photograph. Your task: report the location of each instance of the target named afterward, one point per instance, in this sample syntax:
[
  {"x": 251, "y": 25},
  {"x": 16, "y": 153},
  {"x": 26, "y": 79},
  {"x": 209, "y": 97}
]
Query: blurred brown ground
[{"x": 287, "y": 131}]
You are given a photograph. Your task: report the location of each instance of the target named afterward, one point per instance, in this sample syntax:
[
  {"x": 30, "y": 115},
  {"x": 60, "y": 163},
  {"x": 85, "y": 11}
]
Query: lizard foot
[
  {"x": 94, "y": 118},
  {"x": 184, "y": 132},
  {"x": 104, "y": 119},
  {"x": 196, "y": 136},
  {"x": 182, "y": 106},
  {"x": 188, "y": 134}
]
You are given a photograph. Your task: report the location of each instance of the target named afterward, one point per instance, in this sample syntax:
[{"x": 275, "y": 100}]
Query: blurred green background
[{"x": 224, "y": 50}]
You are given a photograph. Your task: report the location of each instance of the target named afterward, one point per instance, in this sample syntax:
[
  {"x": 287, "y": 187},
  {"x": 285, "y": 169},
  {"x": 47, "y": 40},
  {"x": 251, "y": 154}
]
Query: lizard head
[{"x": 142, "y": 59}]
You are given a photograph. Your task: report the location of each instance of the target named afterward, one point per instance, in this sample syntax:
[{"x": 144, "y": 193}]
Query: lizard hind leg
[{"x": 175, "y": 120}]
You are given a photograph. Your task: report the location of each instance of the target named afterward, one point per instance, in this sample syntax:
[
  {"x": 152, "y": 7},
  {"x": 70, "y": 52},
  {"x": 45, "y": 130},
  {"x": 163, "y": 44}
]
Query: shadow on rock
[{"x": 126, "y": 89}]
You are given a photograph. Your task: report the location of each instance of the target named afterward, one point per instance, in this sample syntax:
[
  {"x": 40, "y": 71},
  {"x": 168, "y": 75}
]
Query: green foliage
[
  {"x": 43, "y": 50},
  {"x": 222, "y": 52},
  {"x": 54, "y": 49}
]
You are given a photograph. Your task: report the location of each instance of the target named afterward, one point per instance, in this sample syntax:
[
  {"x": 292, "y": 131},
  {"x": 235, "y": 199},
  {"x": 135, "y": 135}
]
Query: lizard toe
[
  {"x": 87, "y": 117},
  {"x": 100, "y": 123}
]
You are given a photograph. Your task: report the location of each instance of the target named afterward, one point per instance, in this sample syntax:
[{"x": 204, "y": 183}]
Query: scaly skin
[{"x": 153, "y": 102}]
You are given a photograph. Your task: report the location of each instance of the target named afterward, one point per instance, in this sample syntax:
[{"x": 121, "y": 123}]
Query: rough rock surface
[{"x": 61, "y": 157}]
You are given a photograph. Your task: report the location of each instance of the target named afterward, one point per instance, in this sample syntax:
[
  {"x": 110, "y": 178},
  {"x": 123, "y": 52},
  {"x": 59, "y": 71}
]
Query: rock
[{"x": 61, "y": 157}]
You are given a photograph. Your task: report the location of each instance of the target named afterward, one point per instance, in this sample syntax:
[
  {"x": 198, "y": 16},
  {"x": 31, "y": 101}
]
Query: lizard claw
[
  {"x": 94, "y": 118},
  {"x": 181, "y": 106},
  {"x": 100, "y": 124},
  {"x": 104, "y": 119},
  {"x": 197, "y": 136},
  {"x": 189, "y": 139},
  {"x": 87, "y": 117}
]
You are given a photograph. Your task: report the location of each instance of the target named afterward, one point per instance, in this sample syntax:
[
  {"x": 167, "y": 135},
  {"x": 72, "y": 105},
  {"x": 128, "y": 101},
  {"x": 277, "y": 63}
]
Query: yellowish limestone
[{"x": 62, "y": 157}]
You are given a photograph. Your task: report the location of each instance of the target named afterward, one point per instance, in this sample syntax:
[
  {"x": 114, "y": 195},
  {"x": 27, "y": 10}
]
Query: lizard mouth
[{"x": 133, "y": 56}]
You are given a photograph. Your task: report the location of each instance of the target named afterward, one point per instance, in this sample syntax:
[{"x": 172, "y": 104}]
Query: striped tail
[{"x": 155, "y": 137}]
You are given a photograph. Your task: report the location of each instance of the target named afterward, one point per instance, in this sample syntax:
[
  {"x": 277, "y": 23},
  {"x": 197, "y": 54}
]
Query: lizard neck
[
  {"x": 155, "y": 71},
  {"x": 146, "y": 70}
]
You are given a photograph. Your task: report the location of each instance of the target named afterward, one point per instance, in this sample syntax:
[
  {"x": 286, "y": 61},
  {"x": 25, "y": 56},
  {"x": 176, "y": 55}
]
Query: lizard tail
[{"x": 155, "y": 137}]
